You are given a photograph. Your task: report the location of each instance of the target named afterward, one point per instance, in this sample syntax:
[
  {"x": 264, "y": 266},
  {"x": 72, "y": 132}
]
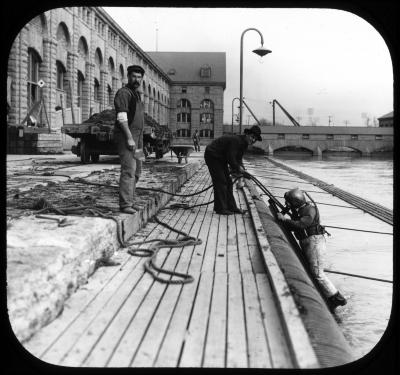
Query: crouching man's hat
[
  {"x": 136, "y": 69},
  {"x": 255, "y": 130}
]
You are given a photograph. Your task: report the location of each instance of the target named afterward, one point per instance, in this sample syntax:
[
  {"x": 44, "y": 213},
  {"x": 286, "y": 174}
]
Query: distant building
[
  {"x": 386, "y": 121},
  {"x": 76, "y": 58},
  {"x": 198, "y": 81}
]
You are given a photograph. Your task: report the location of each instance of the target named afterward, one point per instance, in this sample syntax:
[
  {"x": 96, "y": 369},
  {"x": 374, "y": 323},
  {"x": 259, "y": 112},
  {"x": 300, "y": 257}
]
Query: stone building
[
  {"x": 386, "y": 121},
  {"x": 198, "y": 81},
  {"x": 80, "y": 55}
]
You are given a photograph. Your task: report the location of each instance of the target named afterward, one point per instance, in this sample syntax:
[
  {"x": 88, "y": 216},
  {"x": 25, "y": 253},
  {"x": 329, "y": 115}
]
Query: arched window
[
  {"x": 81, "y": 80},
  {"x": 111, "y": 68},
  {"x": 110, "y": 95},
  {"x": 33, "y": 76},
  {"x": 121, "y": 74},
  {"x": 206, "y": 104},
  {"x": 98, "y": 58},
  {"x": 96, "y": 90},
  {"x": 60, "y": 75},
  {"x": 183, "y": 103},
  {"x": 62, "y": 35},
  {"x": 82, "y": 48}
]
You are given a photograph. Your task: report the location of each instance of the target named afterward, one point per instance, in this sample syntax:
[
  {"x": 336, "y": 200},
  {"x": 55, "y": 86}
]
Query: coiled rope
[{"x": 151, "y": 267}]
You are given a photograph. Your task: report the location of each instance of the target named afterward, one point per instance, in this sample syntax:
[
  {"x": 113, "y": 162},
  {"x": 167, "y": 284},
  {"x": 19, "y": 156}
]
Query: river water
[{"x": 365, "y": 317}]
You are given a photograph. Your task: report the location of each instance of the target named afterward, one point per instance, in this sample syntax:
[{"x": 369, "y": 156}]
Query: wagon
[{"x": 96, "y": 137}]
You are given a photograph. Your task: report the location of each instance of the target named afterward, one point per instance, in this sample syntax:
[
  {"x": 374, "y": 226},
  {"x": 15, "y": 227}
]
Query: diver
[{"x": 305, "y": 223}]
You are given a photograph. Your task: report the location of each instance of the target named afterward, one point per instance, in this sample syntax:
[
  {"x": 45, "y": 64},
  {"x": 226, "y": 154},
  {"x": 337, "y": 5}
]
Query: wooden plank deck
[{"x": 228, "y": 317}]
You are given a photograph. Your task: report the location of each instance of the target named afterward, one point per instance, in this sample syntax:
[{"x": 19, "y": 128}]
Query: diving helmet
[{"x": 295, "y": 197}]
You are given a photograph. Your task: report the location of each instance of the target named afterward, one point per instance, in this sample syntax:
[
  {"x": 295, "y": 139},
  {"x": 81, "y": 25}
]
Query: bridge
[{"x": 320, "y": 139}]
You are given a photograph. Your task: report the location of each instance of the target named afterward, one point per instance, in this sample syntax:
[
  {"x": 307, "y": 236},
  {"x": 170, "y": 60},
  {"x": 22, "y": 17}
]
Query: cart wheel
[
  {"x": 95, "y": 157},
  {"x": 85, "y": 156}
]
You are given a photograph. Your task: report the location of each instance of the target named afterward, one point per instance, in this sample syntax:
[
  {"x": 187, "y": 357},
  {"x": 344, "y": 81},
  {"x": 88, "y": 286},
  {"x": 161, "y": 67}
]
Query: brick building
[{"x": 81, "y": 54}]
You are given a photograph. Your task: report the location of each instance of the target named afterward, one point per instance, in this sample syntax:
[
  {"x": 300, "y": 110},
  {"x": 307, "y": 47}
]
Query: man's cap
[
  {"x": 135, "y": 68},
  {"x": 255, "y": 130}
]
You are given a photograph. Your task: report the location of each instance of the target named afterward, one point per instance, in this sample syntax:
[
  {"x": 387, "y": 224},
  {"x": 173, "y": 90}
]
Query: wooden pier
[{"x": 238, "y": 312}]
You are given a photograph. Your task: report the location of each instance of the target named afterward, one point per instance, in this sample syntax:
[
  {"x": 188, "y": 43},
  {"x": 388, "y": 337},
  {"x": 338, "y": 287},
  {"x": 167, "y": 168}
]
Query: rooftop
[
  {"x": 388, "y": 115},
  {"x": 191, "y": 67}
]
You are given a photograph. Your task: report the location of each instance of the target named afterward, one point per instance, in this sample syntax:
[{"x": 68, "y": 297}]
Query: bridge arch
[
  {"x": 292, "y": 148},
  {"x": 345, "y": 149}
]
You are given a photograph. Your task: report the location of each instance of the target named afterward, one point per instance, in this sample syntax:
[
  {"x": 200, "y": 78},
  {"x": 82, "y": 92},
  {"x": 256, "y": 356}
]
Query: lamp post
[
  {"x": 261, "y": 51},
  {"x": 232, "y": 111}
]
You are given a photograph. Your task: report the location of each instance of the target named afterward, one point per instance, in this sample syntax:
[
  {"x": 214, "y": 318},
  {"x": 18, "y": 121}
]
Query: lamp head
[{"x": 261, "y": 51}]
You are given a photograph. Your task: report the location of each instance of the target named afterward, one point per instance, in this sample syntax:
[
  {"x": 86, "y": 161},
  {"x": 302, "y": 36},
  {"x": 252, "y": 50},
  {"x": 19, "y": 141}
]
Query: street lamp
[
  {"x": 232, "y": 111},
  {"x": 261, "y": 51}
]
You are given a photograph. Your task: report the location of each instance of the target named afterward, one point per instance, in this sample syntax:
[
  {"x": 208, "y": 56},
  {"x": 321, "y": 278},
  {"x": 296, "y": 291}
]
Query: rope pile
[{"x": 152, "y": 251}]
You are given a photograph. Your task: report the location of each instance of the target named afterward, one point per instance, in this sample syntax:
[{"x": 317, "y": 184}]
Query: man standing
[
  {"x": 128, "y": 135},
  {"x": 196, "y": 141},
  {"x": 223, "y": 152},
  {"x": 305, "y": 224}
]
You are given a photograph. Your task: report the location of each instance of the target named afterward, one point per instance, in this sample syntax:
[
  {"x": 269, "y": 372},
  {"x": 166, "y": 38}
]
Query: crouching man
[{"x": 305, "y": 223}]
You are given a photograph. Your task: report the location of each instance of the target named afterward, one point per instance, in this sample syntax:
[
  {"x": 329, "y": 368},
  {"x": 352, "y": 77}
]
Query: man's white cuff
[{"x": 122, "y": 116}]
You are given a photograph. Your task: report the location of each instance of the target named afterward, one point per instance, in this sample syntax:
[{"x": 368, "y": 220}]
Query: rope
[
  {"x": 358, "y": 230},
  {"x": 151, "y": 267},
  {"x": 82, "y": 181},
  {"x": 359, "y": 276},
  {"x": 310, "y": 191},
  {"x": 185, "y": 206}
]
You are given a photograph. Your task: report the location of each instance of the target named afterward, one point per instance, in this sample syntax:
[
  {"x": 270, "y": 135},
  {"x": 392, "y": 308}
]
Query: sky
[{"x": 327, "y": 66}]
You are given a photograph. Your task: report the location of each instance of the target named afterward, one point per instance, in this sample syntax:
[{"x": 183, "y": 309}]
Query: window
[
  {"x": 206, "y": 133},
  {"x": 60, "y": 76},
  {"x": 206, "y": 118},
  {"x": 306, "y": 136},
  {"x": 281, "y": 136},
  {"x": 183, "y": 117},
  {"x": 329, "y": 136},
  {"x": 184, "y": 103},
  {"x": 81, "y": 81},
  {"x": 96, "y": 90},
  {"x": 184, "y": 90},
  {"x": 378, "y": 137},
  {"x": 206, "y": 90},
  {"x": 205, "y": 72},
  {"x": 110, "y": 95},
  {"x": 33, "y": 77},
  {"x": 206, "y": 104},
  {"x": 354, "y": 137},
  {"x": 183, "y": 133}
]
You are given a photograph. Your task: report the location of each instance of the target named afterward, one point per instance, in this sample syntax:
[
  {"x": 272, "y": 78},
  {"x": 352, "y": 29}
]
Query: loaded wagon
[{"x": 96, "y": 137}]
